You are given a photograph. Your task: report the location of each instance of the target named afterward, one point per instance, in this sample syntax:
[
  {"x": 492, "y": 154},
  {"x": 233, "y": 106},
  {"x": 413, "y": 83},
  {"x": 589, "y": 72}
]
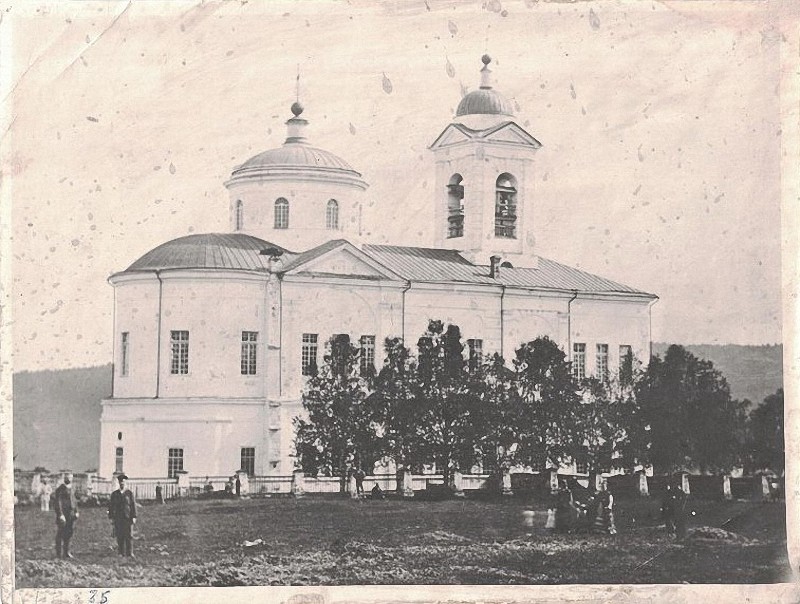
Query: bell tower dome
[{"x": 484, "y": 179}]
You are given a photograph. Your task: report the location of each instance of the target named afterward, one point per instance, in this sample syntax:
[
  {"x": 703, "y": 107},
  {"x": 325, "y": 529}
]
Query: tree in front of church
[
  {"x": 692, "y": 420},
  {"x": 766, "y": 436},
  {"x": 612, "y": 423},
  {"x": 448, "y": 407},
  {"x": 501, "y": 415},
  {"x": 400, "y": 433},
  {"x": 338, "y": 428},
  {"x": 550, "y": 426}
]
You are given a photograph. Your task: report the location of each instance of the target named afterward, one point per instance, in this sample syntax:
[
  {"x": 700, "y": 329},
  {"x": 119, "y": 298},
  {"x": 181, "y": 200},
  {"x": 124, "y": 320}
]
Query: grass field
[{"x": 338, "y": 542}]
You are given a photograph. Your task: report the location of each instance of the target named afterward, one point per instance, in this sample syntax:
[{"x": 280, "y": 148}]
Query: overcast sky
[{"x": 660, "y": 165}]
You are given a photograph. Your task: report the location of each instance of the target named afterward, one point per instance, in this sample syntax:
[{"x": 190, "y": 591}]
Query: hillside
[
  {"x": 57, "y": 417},
  {"x": 753, "y": 372}
]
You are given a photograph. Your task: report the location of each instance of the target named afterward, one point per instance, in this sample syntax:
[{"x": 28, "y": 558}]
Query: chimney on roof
[
  {"x": 494, "y": 266},
  {"x": 274, "y": 261}
]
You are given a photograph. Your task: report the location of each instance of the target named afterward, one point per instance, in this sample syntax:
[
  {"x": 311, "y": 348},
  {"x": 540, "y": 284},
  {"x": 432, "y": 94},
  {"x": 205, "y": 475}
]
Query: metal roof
[
  {"x": 235, "y": 251},
  {"x": 296, "y": 155},
  {"x": 438, "y": 265},
  {"x": 484, "y": 101}
]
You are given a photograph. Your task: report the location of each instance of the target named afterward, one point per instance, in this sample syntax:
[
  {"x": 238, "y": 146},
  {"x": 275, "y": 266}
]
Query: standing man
[
  {"x": 122, "y": 512},
  {"x": 238, "y": 486},
  {"x": 66, "y": 507},
  {"x": 604, "y": 516},
  {"x": 360, "y": 475}
]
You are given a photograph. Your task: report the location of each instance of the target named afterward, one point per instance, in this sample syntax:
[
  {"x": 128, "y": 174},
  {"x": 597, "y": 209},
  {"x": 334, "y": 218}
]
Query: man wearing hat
[
  {"x": 122, "y": 512},
  {"x": 66, "y": 506}
]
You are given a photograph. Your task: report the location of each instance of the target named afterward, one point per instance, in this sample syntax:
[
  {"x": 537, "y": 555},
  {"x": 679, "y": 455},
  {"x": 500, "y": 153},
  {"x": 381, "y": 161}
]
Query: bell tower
[{"x": 484, "y": 179}]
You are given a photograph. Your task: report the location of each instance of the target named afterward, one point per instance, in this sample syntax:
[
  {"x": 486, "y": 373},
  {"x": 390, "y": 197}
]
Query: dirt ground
[{"x": 331, "y": 541}]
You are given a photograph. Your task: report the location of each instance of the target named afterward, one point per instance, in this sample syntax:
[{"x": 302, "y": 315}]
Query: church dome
[
  {"x": 484, "y": 101},
  {"x": 298, "y": 155},
  {"x": 233, "y": 251},
  {"x": 296, "y": 158}
]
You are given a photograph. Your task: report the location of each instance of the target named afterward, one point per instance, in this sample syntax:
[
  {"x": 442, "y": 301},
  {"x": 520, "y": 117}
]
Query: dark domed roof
[
  {"x": 235, "y": 251},
  {"x": 296, "y": 155},
  {"x": 484, "y": 101}
]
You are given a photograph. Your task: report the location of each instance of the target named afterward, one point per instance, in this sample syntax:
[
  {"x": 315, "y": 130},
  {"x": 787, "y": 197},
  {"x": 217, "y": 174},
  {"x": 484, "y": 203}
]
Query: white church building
[{"x": 214, "y": 334}]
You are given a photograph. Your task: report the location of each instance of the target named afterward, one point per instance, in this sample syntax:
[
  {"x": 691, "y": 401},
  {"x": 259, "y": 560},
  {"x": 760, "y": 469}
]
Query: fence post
[
  {"x": 762, "y": 487},
  {"x": 685, "y": 487},
  {"x": 644, "y": 491},
  {"x": 351, "y": 486},
  {"x": 726, "y": 487},
  {"x": 89, "y": 488},
  {"x": 457, "y": 483},
  {"x": 405, "y": 486},
  {"x": 553, "y": 481},
  {"x": 506, "y": 481},
  {"x": 244, "y": 483},
  {"x": 298, "y": 484},
  {"x": 183, "y": 483}
]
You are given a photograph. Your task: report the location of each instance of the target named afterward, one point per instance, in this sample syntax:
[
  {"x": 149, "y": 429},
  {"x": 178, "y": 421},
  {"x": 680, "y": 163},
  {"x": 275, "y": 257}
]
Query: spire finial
[
  {"x": 486, "y": 73},
  {"x": 297, "y": 107}
]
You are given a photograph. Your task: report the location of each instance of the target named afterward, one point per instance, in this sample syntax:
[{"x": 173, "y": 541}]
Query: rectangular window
[
  {"x": 249, "y": 460},
  {"x": 309, "y": 354},
  {"x": 579, "y": 360},
  {"x": 475, "y": 354},
  {"x": 180, "y": 352},
  {"x": 602, "y": 362},
  {"x": 249, "y": 344},
  {"x": 625, "y": 364},
  {"x": 124, "y": 353},
  {"x": 174, "y": 462},
  {"x": 118, "y": 460},
  {"x": 366, "y": 357}
]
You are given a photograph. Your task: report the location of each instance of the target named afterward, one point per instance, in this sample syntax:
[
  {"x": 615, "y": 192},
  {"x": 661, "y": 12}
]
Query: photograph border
[{"x": 787, "y": 19}]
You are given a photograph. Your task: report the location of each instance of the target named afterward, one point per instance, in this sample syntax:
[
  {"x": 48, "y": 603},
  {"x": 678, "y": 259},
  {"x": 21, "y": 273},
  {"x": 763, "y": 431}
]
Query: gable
[
  {"x": 514, "y": 134},
  {"x": 345, "y": 261},
  {"x": 452, "y": 135}
]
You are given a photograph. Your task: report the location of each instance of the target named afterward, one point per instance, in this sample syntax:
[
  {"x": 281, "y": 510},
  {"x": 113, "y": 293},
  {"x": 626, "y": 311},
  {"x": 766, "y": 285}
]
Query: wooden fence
[{"x": 524, "y": 484}]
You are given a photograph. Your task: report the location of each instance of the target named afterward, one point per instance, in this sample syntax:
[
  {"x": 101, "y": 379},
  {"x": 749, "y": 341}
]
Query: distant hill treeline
[
  {"x": 57, "y": 417},
  {"x": 57, "y": 413},
  {"x": 753, "y": 372}
]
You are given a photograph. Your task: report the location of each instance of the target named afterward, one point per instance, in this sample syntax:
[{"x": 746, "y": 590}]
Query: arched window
[
  {"x": 332, "y": 215},
  {"x": 455, "y": 207},
  {"x": 505, "y": 207},
  {"x": 239, "y": 215},
  {"x": 281, "y": 213}
]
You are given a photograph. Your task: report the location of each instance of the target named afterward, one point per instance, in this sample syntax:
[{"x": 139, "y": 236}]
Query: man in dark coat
[
  {"x": 122, "y": 512},
  {"x": 66, "y": 507}
]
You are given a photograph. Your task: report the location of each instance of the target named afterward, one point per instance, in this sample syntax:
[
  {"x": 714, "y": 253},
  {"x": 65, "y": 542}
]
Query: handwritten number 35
[{"x": 94, "y": 592}]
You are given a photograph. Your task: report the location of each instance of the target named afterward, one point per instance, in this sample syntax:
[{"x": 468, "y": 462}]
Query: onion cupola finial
[
  {"x": 296, "y": 125},
  {"x": 486, "y": 73},
  {"x": 486, "y": 100}
]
